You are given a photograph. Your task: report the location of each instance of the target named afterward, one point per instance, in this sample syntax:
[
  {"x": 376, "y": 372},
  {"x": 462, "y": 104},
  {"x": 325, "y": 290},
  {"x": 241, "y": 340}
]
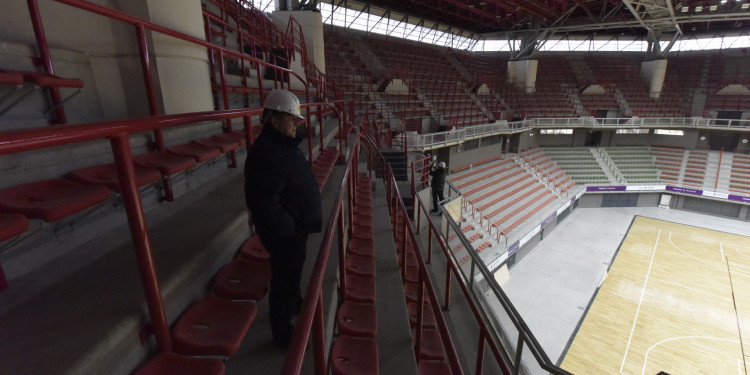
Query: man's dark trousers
[{"x": 284, "y": 298}]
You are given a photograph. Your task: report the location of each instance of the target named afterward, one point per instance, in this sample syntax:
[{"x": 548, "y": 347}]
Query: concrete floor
[{"x": 552, "y": 287}]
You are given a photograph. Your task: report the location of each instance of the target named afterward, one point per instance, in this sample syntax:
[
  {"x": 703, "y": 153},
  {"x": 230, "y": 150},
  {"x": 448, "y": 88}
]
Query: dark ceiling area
[{"x": 577, "y": 16}]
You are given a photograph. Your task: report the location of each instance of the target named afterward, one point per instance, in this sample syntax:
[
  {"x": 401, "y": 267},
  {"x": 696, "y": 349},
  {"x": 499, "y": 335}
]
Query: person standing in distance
[
  {"x": 438, "y": 183},
  {"x": 283, "y": 197}
]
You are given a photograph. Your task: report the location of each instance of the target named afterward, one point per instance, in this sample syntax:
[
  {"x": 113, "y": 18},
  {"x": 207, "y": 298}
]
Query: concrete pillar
[
  {"x": 654, "y": 71},
  {"x": 312, "y": 29},
  {"x": 179, "y": 66},
  {"x": 522, "y": 74}
]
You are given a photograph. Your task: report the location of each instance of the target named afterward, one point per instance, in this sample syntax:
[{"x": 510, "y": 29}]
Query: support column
[
  {"x": 180, "y": 67},
  {"x": 654, "y": 72},
  {"x": 522, "y": 74}
]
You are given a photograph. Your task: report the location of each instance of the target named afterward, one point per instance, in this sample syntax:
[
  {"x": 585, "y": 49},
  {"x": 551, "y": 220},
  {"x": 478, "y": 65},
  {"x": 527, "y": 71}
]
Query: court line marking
[
  {"x": 622, "y": 296},
  {"x": 741, "y": 250},
  {"x": 741, "y": 269},
  {"x": 640, "y": 301},
  {"x": 693, "y": 289},
  {"x": 691, "y": 255},
  {"x": 645, "y": 360},
  {"x": 639, "y": 252}
]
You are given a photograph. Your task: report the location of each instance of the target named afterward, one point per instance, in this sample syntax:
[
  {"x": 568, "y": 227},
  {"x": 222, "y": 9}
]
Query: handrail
[
  {"x": 312, "y": 308},
  {"x": 455, "y": 136},
  {"x": 398, "y": 210},
  {"x": 718, "y": 169},
  {"x": 14, "y": 141},
  {"x": 118, "y": 133},
  {"x": 526, "y": 337}
]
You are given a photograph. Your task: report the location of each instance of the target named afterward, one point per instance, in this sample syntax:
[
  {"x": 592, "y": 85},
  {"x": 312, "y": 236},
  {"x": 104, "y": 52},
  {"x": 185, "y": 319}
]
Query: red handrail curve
[{"x": 452, "y": 267}]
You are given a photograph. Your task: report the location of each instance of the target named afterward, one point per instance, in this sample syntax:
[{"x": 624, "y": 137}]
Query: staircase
[
  {"x": 624, "y": 106},
  {"x": 397, "y": 160},
  {"x": 607, "y": 165},
  {"x": 459, "y": 67},
  {"x": 721, "y": 163}
]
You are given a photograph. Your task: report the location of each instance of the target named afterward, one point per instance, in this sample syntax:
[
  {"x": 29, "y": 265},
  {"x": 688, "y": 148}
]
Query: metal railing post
[
  {"x": 139, "y": 232},
  {"x": 46, "y": 59}
]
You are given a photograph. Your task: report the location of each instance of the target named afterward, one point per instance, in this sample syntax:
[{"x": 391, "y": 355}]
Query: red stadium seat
[
  {"x": 198, "y": 152},
  {"x": 428, "y": 318},
  {"x": 234, "y": 136},
  {"x": 106, "y": 174},
  {"x": 50, "y": 200},
  {"x": 351, "y": 355},
  {"x": 12, "y": 225},
  {"x": 243, "y": 280},
  {"x": 360, "y": 265},
  {"x": 360, "y": 289},
  {"x": 432, "y": 345},
  {"x": 434, "y": 368},
  {"x": 167, "y": 164},
  {"x": 222, "y": 142},
  {"x": 175, "y": 364},
  {"x": 254, "y": 250},
  {"x": 360, "y": 246},
  {"x": 357, "y": 319},
  {"x": 213, "y": 326}
]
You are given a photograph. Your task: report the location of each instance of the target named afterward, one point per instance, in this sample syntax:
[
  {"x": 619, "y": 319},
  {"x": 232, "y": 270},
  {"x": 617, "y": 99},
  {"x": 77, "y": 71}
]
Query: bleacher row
[
  {"x": 355, "y": 350},
  {"x": 740, "y": 177},
  {"x": 216, "y": 325},
  {"x": 504, "y": 189},
  {"x": 668, "y": 159},
  {"x": 560, "y": 85},
  {"x": 54, "y": 199}
]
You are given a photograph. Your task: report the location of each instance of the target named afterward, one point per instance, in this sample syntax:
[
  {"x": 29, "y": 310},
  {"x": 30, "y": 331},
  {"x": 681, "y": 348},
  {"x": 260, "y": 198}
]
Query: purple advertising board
[
  {"x": 513, "y": 248},
  {"x": 739, "y": 198},
  {"x": 605, "y": 188},
  {"x": 549, "y": 220},
  {"x": 683, "y": 190}
]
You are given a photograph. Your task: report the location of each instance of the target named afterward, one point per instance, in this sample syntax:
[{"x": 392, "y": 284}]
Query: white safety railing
[{"x": 420, "y": 142}]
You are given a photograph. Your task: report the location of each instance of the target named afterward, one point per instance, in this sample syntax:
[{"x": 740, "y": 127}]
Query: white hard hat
[
  {"x": 283, "y": 101},
  {"x": 441, "y": 164}
]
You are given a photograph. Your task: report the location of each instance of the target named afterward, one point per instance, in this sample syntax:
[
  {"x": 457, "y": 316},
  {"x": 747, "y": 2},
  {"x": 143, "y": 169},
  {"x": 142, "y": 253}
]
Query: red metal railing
[
  {"x": 310, "y": 319},
  {"x": 452, "y": 268},
  {"x": 117, "y": 132}
]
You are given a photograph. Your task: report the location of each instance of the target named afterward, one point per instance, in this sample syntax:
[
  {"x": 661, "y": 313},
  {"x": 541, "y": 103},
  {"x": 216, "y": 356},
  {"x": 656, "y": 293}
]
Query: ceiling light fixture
[
  {"x": 712, "y": 8},
  {"x": 699, "y": 9},
  {"x": 745, "y": 6},
  {"x": 685, "y": 9}
]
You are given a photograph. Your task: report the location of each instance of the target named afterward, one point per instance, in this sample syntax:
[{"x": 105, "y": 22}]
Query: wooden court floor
[{"x": 676, "y": 299}]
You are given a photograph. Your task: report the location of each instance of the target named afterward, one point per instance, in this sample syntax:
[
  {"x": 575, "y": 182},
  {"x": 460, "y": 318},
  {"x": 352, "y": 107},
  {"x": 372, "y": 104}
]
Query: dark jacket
[
  {"x": 438, "y": 178},
  {"x": 280, "y": 188}
]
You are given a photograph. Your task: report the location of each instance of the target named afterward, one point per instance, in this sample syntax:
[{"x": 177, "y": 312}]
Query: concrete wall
[
  {"x": 458, "y": 159},
  {"x": 625, "y": 139},
  {"x": 555, "y": 140},
  {"x": 679, "y": 202}
]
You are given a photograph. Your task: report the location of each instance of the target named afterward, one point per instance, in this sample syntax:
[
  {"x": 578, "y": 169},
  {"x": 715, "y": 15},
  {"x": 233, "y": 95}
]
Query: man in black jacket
[
  {"x": 438, "y": 183},
  {"x": 283, "y": 197}
]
